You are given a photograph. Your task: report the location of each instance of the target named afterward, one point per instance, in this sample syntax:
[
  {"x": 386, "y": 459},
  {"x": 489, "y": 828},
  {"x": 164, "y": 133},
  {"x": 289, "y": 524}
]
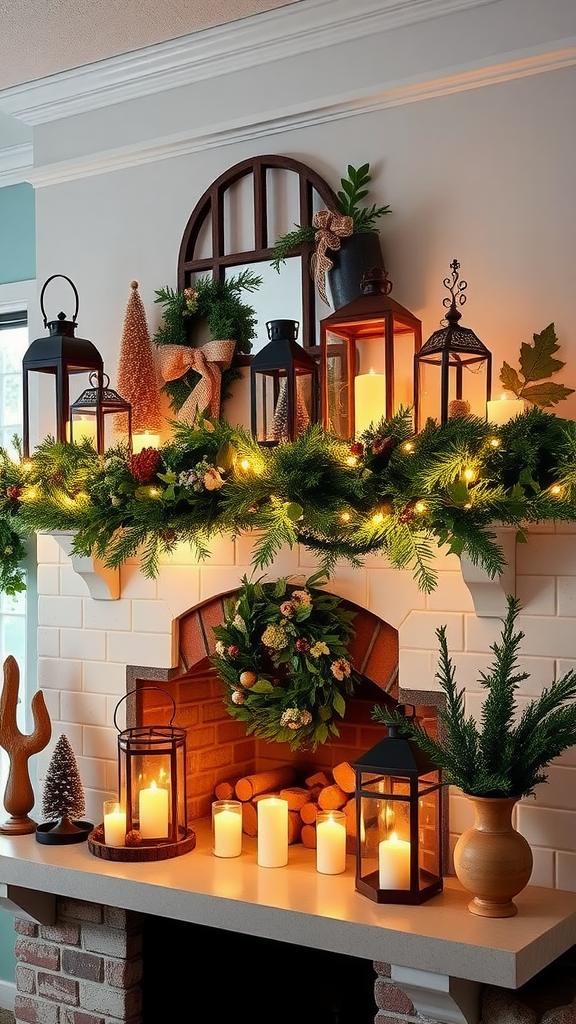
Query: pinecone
[
  {"x": 143, "y": 466},
  {"x": 133, "y": 838},
  {"x": 383, "y": 445},
  {"x": 407, "y": 515}
]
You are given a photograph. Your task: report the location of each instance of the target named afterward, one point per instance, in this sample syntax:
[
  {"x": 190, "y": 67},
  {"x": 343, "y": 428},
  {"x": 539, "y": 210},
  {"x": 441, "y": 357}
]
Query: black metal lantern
[
  {"x": 283, "y": 386},
  {"x": 451, "y": 350},
  {"x": 88, "y": 412},
  {"x": 366, "y": 358},
  {"x": 60, "y": 354},
  {"x": 152, "y": 780},
  {"x": 399, "y": 816}
]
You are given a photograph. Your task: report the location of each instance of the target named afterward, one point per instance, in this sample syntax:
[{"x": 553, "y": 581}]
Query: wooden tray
[{"x": 142, "y": 853}]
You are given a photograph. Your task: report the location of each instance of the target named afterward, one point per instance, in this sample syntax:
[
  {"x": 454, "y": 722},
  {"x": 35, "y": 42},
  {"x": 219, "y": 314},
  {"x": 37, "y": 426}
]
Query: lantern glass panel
[
  {"x": 152, "y": 782},
  {"x": 273, "y": 414},
  {"x": 429, "y": 826},
  {"x": 467, "y": 379}
]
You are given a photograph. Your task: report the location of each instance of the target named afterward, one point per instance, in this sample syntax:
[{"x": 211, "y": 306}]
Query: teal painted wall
[
  {"x": 17, "y": 234},
  {"x": 17, "y": 263}
]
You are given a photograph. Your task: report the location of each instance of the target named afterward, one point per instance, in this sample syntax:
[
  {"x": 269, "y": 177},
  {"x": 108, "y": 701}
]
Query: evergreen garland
[
  {"x": 503, "y": 755},
  {"x": 392, "y": 492}
]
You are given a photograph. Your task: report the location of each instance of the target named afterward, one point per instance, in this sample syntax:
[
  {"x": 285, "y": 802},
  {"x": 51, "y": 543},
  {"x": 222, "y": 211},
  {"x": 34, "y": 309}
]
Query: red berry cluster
[
  {"x": 143, "y": 466},
  {"x": 14, "y": 493}
]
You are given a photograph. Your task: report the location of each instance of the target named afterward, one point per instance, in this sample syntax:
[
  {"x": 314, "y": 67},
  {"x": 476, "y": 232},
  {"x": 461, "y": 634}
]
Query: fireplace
[{"x": 218, "y": 747}]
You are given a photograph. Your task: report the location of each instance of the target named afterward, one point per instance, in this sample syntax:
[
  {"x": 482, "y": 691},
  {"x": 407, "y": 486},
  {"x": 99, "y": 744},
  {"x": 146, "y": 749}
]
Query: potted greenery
[
  {"x": 495, "y": 763},
  {"x": 353, "y": 228}
]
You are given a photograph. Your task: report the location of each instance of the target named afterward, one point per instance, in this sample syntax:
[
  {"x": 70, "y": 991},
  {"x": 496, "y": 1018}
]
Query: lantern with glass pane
[
  {"x": 88, "y": 415},
  {"x": 367, "y": 349},
  {"x": 453, "y": 369},
  {"x": 152, "y": 780},
  {"x": 59, "y": 355},
  {"x": 283, "y": 386},
  {"x": 399, "y": 817}
]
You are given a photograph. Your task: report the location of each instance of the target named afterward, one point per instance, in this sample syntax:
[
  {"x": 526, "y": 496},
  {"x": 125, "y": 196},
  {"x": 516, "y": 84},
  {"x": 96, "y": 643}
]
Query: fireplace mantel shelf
[{"x": 428, "y": 945}]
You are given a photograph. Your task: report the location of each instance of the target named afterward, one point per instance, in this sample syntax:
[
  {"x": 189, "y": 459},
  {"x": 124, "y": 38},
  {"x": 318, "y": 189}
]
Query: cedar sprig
[{"x": 504, "y": 754}]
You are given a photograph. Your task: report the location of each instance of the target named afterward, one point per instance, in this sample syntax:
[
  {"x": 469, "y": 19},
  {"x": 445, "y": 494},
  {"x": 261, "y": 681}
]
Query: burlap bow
[
  {"x": 331, "y": 227},
  {"x": 209, "y": 361}
]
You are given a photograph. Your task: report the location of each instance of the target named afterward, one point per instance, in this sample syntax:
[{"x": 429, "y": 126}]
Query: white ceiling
[{"x": 39, "y": 38}]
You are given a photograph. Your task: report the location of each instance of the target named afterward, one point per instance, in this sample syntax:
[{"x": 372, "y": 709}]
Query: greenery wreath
[
  {"x": 219, "y": 306},
  {"x": 282, "y": 652}
]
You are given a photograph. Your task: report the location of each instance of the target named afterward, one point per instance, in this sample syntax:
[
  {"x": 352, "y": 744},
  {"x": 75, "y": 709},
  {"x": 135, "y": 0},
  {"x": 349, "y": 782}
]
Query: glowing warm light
[
  {"x": 420, "y": 507},
  {"x": 245, "y": 465},
  {"x": 378, "y": 517},
  {"x": 369, "y": 400},
  {"x": 408, "y": 446},
  {"x": 494, "y": 442},
  {"x": 345, "y": 517},
  {"x": 468, "y": 504},
  {"x": 153, "y": 492},
  {"x": 469, "y": 474},
  {"x": 27, "y": 465},
  {"x": 30, "y": 494},
  {"x": 556, "y": 490},
  {"x": 504, "y": 409},
  {"x": 351, "y": 460},
  {"x": 68, "y": 500},
  {"x": 145, "y": 440}
]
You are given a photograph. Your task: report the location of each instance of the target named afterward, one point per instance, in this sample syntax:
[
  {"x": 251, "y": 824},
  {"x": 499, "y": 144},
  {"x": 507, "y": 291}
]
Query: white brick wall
[{"x": 85, "y": 645}]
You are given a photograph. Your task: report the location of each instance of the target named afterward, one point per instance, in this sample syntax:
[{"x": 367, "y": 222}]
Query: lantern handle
[
  {"x": 45, "y": 285},
  {"x": 141, "y": 690}
]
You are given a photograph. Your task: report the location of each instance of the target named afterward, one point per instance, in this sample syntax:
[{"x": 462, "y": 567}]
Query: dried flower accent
[
  {"x": 294, "y": 718},
  {"x": 340, "y": 669},
  {"x": 302, "y": 644},
  {"x": 14, "y": 493},
  {"x": 237, "y": 697},
  {"x": 383, "y": 445},
  {"x": 275, "y": 637},
  {"x": 319, "y": 648},
  {"x": 233, "y": 651}
]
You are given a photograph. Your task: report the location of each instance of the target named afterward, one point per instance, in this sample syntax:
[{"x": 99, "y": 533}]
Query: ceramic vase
[{"x": 492, "y": 860}]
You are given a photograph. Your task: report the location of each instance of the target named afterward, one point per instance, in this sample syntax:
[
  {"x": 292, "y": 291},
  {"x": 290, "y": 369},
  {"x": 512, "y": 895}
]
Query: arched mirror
[{"x": 235, "y": 224}]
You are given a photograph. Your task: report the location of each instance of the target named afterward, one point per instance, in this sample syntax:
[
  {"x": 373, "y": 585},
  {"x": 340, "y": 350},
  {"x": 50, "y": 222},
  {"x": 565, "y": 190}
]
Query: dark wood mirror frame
[{"x": 212, "y": 205}]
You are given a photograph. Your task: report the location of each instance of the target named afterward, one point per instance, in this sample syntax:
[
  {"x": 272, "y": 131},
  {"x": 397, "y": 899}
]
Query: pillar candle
[
  {"x": 145, "y": 440},
  {"x": 83, "y": 429},
  {"x": 227, "y": 826},
  {"x": 114, "y": 824},
  {"x": 153, "y": 812},
  {"x": 503, "y": 410},
  {"x": 369, "y": 400},
  {"x": 272, "y": 832},
  {"x": 331, "y": 842},
  {"x": 394, "y": 863}
]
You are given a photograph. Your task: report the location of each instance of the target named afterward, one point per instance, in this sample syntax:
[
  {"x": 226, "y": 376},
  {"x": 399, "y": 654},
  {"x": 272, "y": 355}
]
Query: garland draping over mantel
[{"x": 392, "y": 491}]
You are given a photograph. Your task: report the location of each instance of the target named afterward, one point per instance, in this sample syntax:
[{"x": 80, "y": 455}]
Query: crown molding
[
  {"x": 301, "y": 116},
  {"x": 15, "y": 164},
  {"x": 256, "y": 40}
]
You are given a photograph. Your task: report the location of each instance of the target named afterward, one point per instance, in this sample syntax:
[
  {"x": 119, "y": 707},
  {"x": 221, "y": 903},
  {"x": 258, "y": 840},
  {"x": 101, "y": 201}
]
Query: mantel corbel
[
  {"x": 439, "y": 997},
  {"x": 489, "y": 593},
  {"x": 103, "y": 583}
]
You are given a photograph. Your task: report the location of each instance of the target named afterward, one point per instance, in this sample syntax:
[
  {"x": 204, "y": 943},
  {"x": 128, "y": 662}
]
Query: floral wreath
[
  {"x": 282, "y": 653},
  {"x": 217, "y": 304}
]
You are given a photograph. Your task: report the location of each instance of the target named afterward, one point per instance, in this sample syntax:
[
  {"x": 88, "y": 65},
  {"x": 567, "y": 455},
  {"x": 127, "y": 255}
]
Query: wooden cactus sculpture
[{"x": 19, "y": 795}]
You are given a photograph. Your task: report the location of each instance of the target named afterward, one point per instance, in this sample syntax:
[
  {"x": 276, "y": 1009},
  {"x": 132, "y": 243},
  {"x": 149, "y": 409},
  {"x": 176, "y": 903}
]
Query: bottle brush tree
[{"x": 63, "y": 796}]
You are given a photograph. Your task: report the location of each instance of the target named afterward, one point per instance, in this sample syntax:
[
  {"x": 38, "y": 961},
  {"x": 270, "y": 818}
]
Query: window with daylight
[{"x": 13, "y": 344}]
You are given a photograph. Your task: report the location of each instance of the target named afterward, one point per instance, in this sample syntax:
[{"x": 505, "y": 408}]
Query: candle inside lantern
[
  {"x": 114, "y": 824},
  {"x": 394, "y": 863},
  {"x": 227, "y": 828},
  {"x": 145, "y": 440},
  {"x": 331, "y": 842},
  {"x": 369, "y": 400},
  {"x": 153, "y": 812},
  {"x": 272, "y": 832},
  {"x": 83, "y": 429},
  {"x": 504, "y": 409}
]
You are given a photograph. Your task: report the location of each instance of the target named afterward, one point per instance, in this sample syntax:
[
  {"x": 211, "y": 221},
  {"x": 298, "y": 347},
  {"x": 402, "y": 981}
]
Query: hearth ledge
[{"x": 453, "y": 949}]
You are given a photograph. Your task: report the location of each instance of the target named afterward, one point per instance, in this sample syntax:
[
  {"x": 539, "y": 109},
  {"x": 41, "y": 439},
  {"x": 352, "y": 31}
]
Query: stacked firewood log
[{"x": 323, "y": 791}]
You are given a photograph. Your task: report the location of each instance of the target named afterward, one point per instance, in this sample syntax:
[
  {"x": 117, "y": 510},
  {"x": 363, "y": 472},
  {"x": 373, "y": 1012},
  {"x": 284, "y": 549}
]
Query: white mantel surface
[{"x": 296, "y": 904}]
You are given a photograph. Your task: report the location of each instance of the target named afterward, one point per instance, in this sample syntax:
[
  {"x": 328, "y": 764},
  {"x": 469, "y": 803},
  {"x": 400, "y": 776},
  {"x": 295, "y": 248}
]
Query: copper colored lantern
[
  {"x": 399, "y": 814},
  {"x": 61, "y": 355},
  {"x": 453, "y": 366},
  {"x": 367, "y": 349}
]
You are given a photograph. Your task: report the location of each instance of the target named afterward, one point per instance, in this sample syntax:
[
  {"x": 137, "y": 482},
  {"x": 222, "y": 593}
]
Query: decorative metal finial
[{"x": 456, "y": 289}]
